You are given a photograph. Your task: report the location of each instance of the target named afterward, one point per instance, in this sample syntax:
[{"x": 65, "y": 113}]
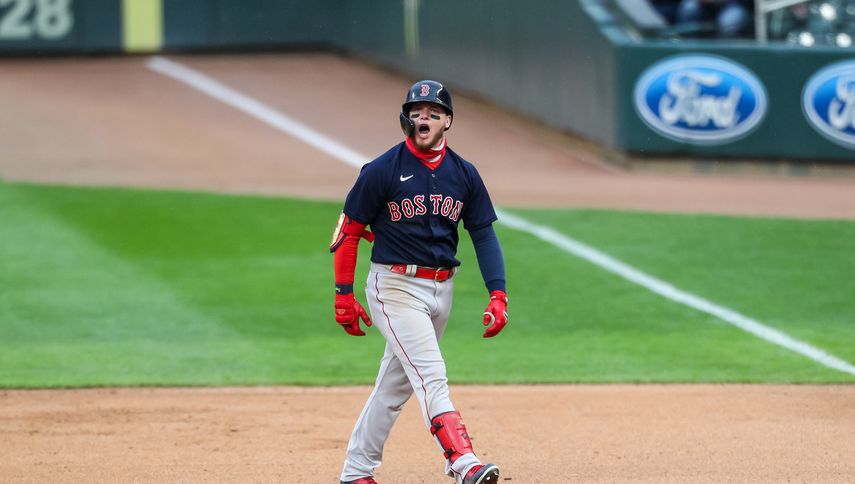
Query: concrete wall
[{"x": 565, "y": 63}]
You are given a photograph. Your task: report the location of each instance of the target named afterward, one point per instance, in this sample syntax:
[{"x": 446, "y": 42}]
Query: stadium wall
[{"x": 567, "y": 64}]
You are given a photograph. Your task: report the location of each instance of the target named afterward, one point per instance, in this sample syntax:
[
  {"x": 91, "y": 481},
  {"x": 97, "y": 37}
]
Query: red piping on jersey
[
  {"x": 389, "y": 322},
  {"x": 426, "y": 155}
]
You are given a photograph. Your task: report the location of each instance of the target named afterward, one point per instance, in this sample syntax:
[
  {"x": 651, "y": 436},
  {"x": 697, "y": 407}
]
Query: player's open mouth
[{"x": 424, "y": 129}]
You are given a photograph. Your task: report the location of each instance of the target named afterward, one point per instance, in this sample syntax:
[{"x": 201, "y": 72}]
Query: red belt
[{"x": 433, "y": 273}]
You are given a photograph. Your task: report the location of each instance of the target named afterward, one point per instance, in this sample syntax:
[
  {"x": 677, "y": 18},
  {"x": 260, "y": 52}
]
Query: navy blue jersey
[{"x": 414, "y": 211}]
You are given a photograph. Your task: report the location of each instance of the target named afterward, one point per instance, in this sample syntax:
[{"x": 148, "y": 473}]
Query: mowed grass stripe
[
  {"x": 249, "y": 268},
  {"x": 77, "y": 312},
  {"x": 204, "y": 289},
  {"x": 574, "y": 322},
  {"x": 794, "y": 275},
  {"x": 667, "y": 290}
]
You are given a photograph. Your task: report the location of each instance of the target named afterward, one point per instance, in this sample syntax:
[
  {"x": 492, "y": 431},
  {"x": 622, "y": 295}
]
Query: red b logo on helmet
[{"x": 425, "y": 90}]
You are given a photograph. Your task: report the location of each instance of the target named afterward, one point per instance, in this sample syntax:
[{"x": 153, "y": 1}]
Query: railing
[
  {"x": 764, "y": 7},
  {"x": 802, "y": 23},
  {"x": 806, "y": 23}
]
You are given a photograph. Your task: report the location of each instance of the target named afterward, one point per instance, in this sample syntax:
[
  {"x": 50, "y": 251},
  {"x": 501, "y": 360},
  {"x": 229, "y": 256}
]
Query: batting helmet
[{"x": 424, "y": 92}]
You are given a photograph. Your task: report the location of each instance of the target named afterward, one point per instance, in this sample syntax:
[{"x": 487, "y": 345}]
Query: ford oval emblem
[
  {"x": 828, "y": 101},
  {"x": 700, "y": 99}
]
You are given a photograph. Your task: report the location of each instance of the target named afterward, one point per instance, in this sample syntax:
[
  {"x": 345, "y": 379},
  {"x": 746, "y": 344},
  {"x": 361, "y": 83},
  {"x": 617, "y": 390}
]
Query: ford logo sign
[
  {"x": 828, "y": 101},
  {"x": 700, "y": 99}
]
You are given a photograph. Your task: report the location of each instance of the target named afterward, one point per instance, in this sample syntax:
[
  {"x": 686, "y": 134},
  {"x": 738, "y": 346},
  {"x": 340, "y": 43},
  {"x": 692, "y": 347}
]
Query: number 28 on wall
[{"x": 28, "y": 19}]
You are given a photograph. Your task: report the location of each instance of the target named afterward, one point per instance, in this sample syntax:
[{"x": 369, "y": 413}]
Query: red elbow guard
[{"x": 347, "y": 226}]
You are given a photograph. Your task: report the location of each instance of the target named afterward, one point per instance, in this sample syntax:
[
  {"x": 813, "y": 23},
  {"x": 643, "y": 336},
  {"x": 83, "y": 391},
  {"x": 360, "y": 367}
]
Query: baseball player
[{"x": 413, "y": 197}]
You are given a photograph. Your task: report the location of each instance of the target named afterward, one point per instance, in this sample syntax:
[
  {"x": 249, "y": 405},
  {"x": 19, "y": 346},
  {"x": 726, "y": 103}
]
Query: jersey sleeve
[
  {"x": 365, "y": 199},
  {"x": 490, "y": 259},
  {"x": 478, "y": 211}
]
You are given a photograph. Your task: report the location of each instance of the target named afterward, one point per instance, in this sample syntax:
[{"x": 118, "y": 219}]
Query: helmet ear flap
[{"x": 407, "y": 125}]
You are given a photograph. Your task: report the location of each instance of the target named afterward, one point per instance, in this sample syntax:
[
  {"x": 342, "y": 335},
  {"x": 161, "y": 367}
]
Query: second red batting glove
[
  {"x": 348, "y": 311},
  {"x": 496, "y": 314}
]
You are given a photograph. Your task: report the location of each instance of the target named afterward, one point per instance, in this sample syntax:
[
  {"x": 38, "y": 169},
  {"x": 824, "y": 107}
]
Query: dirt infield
[
  {"x": 114, "y": 122},
  {"x": 539, "y": 434}
]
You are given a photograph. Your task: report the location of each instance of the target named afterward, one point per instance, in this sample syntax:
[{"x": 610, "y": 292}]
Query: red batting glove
[
  {"x": 347, "y": 314},
  {"x": 496, "y": 314}
]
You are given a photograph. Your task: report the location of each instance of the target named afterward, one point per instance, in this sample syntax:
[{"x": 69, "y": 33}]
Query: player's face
[{"x": 431, "y": 123}]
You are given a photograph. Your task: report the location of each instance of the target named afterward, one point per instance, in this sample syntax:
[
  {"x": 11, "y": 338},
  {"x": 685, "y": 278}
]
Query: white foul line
[
  {"x": 344, "y": 154},
  {"x": 664, "y": 289},
  {"x": 248, "y": 105}
]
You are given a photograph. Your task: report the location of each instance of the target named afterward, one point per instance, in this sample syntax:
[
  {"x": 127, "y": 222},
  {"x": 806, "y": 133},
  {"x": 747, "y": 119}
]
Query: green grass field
[{"x": 135, "y": 287}]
